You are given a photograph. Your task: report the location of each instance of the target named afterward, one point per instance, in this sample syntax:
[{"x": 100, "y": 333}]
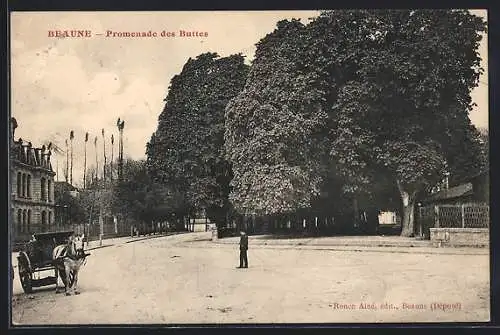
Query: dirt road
[{"x": 171, "y": 280}]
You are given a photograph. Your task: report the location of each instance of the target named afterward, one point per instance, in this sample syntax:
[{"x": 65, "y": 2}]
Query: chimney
[
  {"x": 24, "y": 152},
  {"x": 37, "y": 156},
  {"x": 19, "y": 149},
  {"x": 43, "y": 161},
  {"x": 48, "y": 160},
  {"x": 29, "y": 153}
]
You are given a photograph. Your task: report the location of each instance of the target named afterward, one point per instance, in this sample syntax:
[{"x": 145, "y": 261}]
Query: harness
[{"x": 75, "y": 257}]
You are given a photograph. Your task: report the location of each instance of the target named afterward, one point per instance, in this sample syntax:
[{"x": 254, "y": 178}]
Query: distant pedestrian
[{"x": 243, "y": 250}]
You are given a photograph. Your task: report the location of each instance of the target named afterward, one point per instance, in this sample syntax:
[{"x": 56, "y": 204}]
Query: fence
[
  {"x": 473, "y": 215},
  {"x": 93, "y": 231}
]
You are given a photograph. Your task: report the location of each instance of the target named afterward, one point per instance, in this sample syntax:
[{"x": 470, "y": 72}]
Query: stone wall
[{"x": 460, "y": 237}]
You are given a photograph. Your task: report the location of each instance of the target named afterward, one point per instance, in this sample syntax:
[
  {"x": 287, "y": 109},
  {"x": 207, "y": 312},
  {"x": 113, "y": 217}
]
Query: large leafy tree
[
  {"x": 187, "y": 150},
  {"x": 385, "y": 92},
  {"x": 406, "y": 109},
  {"x": 274, "y": 127},
  {"x": 138, "y": 197},
  {"x": 279, "y": 130},
  {"x": 69, "y": 204}
]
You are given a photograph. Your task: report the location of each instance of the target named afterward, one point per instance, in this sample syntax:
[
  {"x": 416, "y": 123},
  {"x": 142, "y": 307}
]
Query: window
[
  {"x": 44, "y": 219},
  {"x": 19, "y": 184},
  {"x": 20, "y": 219},
  {"x": 29, "y": 220},
  {"x": 49, "y": 190},
  {"x": 24, "y": 221},
  {"x": 50, "y": 218},
  {"x": 43, "y": 188},
  {"x": 24, "y": 185},
  {"x": 28, "y": 186}
]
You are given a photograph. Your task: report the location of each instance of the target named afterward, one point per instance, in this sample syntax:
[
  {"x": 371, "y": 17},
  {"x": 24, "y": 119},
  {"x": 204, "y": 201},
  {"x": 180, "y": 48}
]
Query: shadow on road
[{"x": 308, "y": 235}]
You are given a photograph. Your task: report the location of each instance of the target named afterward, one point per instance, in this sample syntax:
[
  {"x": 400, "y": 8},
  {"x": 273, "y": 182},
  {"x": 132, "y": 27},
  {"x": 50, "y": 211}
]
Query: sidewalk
[
  {"x": 385, "y": 244},
  {"x": 108, "y": 242},
  {"x": 363, "y": 241}
]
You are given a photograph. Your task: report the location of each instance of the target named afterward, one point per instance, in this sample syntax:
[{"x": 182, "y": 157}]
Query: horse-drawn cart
[{"x": 36, "y": 256}]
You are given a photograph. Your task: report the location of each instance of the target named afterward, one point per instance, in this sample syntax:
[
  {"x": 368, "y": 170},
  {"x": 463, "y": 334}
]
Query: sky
[{"x": 85, "y": 84}]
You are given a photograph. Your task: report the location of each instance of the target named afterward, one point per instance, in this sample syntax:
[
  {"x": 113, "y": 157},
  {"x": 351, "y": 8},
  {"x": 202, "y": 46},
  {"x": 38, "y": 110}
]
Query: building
[
  {"x": 465, "y": 206},
  {"x": 32, "y": 188},
  {"x": 474, "y": 189},
  {"x": 200, "y": 224},
  {"x": 388, "y": 218}
]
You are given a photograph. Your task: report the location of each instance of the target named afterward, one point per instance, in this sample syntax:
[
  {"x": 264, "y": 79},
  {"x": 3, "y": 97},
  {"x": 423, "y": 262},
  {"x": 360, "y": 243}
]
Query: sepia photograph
[{"x": 249, "y": 167}]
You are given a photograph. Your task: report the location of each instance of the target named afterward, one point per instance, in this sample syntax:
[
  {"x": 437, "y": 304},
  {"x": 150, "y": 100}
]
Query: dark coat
[{"x": 244, "y": 242}]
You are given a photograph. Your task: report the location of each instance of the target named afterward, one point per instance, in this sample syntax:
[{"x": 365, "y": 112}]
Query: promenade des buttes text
[{"x": 126, "y": 34}]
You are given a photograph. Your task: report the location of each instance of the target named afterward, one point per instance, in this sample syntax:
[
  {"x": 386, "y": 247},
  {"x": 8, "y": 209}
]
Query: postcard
[{"x": 249, "y": 167}]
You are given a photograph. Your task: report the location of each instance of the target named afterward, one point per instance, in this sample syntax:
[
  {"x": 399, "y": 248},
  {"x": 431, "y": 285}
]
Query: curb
[
  {"x": 373, "y": 245},
  {"x": 354, "y": 244},
  {"x": 472, "y": 251},
  {"x": 133, "y": 240}
]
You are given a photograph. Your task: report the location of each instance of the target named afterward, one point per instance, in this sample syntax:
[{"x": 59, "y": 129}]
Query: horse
[{"x": 67, "y": 260}]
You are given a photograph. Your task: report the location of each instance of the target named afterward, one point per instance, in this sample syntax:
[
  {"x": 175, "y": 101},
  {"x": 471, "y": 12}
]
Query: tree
[
  {"x": 407, "y": 105},
  {"x": 96, "y": 160},
  {"x": 112, "y": 154},
  {"x": 85, "y": 162},
  {"x": 186, "y": 152},
  {"x": 484, "y": 141},
  {"x": 66, "y": 169},
  {"x": 120, "y": 124},
  {"x": 385, "y": 92},
  {"x": 70, "y": 205},
  {"x": 104, "y": 153},
  {"x": 275, "y": 126},
  {"x": 138, "y": 197},
  {"x": 71, "y": 137},
  {"x": 468, "y": 153}
]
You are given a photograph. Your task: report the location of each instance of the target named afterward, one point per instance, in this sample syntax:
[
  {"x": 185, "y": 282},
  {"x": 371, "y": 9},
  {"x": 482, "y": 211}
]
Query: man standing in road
[{"x": 243, "y": 250}]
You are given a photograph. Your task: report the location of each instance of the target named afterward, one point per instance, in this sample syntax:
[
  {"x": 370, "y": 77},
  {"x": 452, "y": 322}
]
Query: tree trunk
[{"x": 407, "y": 224}]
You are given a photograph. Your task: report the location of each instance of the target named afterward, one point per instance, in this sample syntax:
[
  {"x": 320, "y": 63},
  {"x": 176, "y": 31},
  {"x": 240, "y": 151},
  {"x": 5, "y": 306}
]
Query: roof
[
  {"x": 461, "y": 190},
  {"x": 49, "y": 235},
  {"x": 25, "y": 153}
]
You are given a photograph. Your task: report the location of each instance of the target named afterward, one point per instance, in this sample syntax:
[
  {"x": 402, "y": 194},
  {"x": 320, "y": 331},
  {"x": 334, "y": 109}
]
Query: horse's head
[{"x": 77, "y": 245}]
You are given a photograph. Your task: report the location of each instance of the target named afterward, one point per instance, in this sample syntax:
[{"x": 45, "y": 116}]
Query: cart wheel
[{"x": 24, "y": 273}]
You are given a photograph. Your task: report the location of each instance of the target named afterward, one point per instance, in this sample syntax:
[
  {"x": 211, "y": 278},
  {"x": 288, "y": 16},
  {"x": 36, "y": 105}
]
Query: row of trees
[
  {"x": 354, "y": 110},
  {"x": 186, "y": 153},
  {"x": 91, "y": 175},
  {"x": 98, "y": 192}
]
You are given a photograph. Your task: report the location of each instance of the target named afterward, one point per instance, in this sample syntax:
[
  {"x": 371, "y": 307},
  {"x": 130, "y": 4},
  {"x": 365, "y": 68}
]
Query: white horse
[{"x": 67, "y": 259}]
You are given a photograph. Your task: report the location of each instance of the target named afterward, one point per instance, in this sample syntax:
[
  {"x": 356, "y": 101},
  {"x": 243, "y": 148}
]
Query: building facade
[{"x": 32, "y": 189}]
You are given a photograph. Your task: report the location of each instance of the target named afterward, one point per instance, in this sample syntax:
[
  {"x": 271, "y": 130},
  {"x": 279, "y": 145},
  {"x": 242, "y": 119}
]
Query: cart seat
[{"x": 41, "y": 248}]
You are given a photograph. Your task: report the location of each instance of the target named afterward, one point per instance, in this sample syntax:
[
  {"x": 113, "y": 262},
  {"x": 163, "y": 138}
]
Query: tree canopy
[
  {"x": 274, "y": 127},
  {"x": 186, "y": 151},
  {"x": 140, "y": 198},
  {"x": 360, "y": 95}
]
